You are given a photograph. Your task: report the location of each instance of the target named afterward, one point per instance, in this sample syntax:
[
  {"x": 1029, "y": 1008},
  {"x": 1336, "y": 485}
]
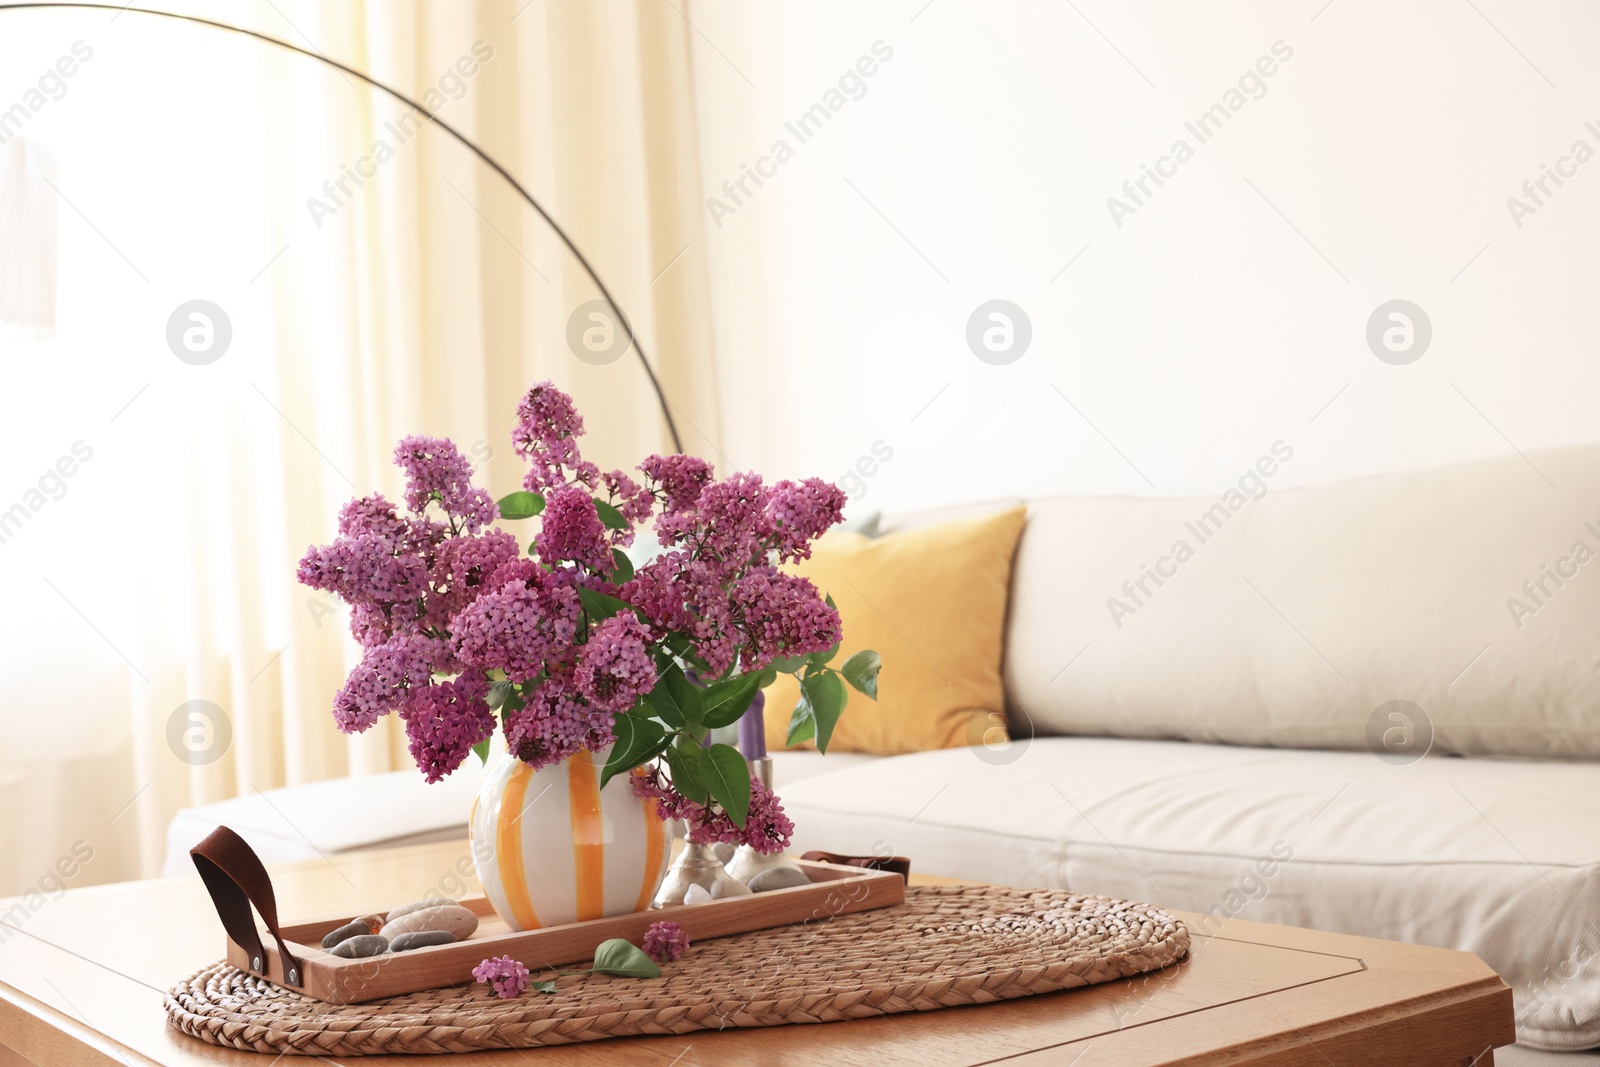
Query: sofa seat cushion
[{"x": 1472, "y": 854}]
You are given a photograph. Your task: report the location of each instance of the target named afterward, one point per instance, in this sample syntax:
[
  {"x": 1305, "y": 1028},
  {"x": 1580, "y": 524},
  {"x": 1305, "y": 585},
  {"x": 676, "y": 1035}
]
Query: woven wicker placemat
[{"x": 946, "y": 946}]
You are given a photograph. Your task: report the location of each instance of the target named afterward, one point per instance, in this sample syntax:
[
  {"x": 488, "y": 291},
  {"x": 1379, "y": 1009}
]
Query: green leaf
[
  {"x": 822, "y": 659},
  {"x": 861, "y": 670},
  {"x": 768, "y": 676},
  {"x": 626, "y": 960},
  {"x": 521, "y": 505},
  {"x": 826, "y": 695},
  {"x": 498, "y": 692},
  {"x": 543, "y": 987},
  {"x": 676, "y": 700},
  {"x": 600, "y": 606},
  {"x": 482, "y": 749},
  {"x": 728, "y": 778},
  {"x": 788, "y": 664},
  {"x": 637, "y": 740},
  {"x": 684, "y": 760},
  {"x": 661, "y": 702},
  {"x": 726, "y": 701},
  {"x": 624, "y": 569},
  {"x": 688, "y": 697},
  {"x": 802, "y": 724},
  {"x": 610, "y": 515}
]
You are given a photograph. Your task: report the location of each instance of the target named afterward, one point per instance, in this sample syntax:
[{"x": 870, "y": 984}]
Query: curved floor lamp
[{"x": 661, "y": 397}]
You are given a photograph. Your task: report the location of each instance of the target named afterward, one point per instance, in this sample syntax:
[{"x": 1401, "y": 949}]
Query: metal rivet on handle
[
  {"x": 294, "y": 976},
  {"x": 255, "y": 963}
]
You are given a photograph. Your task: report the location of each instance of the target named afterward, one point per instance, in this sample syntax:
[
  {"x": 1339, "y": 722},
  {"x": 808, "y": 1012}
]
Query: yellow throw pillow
[{"x": 932, "y": 603}]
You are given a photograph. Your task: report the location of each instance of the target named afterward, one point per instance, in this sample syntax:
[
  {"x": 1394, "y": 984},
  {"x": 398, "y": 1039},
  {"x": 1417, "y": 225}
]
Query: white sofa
[{"x": 1228, "y": 745}]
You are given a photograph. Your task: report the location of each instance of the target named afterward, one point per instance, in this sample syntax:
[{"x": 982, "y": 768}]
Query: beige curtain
[{"x": 425, "y": 303}]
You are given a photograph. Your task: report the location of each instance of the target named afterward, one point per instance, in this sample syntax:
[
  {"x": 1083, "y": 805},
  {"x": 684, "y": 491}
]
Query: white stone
[{"x": 724, "y": 888}]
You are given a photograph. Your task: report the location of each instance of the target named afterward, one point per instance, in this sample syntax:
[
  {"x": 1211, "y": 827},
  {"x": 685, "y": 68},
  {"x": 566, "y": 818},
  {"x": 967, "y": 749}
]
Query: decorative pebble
[
  {"x": 346, "y": 932},
  {"x": 452, "y": 917},
  {"x": 421, "y": 939},
  {"x": 697, "y": 895},
  {"x": 361, "y": 946},
  {"x": 724, "y": 851},
  {"x": 724, "y": 888},
  {"x": 777, "y": 878},
  {"x": 416, "y": 905}
]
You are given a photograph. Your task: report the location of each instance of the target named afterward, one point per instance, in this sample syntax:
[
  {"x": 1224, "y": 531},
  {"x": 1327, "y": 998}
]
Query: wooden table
[{"x": 81, "y": 982}]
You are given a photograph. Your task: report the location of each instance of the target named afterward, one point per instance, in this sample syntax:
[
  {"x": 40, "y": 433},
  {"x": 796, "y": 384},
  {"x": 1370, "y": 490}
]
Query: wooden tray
[{"x": 834, "y": 890}]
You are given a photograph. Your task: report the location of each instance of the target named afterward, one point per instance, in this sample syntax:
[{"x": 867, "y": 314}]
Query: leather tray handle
[
  {"x": 898, "y": 864},
  {"x": 235, "y": 878}
]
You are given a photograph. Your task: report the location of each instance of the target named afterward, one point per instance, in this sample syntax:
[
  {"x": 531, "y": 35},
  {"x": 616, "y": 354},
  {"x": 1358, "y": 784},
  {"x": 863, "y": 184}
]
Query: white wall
[{"x": 1222, "y": 316}]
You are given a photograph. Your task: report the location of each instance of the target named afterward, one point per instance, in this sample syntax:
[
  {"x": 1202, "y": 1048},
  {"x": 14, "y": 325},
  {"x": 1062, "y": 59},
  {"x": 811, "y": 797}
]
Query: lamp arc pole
[{"x": 488, "y": 160}]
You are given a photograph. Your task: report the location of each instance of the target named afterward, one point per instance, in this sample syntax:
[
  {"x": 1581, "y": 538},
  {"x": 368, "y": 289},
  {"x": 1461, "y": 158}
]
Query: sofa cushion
[
  {"x": 1293, "y": 616},
  {"x": 932, "y": 602},
  {"x": 1462, "y": 853},
  {"x": 323, "y": 819}
]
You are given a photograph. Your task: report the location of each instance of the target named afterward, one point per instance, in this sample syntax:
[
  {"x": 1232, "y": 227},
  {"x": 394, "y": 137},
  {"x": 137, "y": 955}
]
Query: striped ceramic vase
[{"x": 552, "y": 847}]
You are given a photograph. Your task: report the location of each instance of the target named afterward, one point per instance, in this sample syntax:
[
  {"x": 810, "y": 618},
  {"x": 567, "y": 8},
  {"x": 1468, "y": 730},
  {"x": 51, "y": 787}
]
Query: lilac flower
[
  {"x": 680, "y": 478},
  {"x": 546, "y": 432},
  {"x": 444, "y": 720},
  {"x": 519, "y": 627},
  {"x": 572, "y": 532},
  {"x": 635, "y": 502},
  {"x": 383, "y": 680},
  {"x": 437, "y": 472},
  {"x": 364, "y": 569},
  {"x": 507, "y": 976},
  {"x": 665, "y": 942},
  {"x": 801, "y": 513},
  {"x": 655, "y": 591},
  {"x": 371, "y": 515},
  {"x": 614, "y": 667},
  {"x": 783, "y": 616},
  {"x": 729, "y": 524},
  {"x": 555, "y": 723},
  {"x": 463, "y": 570},
  {"x": 766, "y": 828}
]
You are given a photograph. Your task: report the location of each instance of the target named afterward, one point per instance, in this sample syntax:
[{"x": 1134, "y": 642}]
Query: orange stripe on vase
[
  {"x": 588, "y": 835},
  {"x": 508, "y": 848},
  {"x": 652, "y": 849}
]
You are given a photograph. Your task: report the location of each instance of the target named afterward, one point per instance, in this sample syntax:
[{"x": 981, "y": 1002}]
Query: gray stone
[
  {"x": 361, "y": 946},
  {"x": 778, "y": 878},
  {"x": 421, "y": 939},
  {"x": 353, "y": 928}
]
